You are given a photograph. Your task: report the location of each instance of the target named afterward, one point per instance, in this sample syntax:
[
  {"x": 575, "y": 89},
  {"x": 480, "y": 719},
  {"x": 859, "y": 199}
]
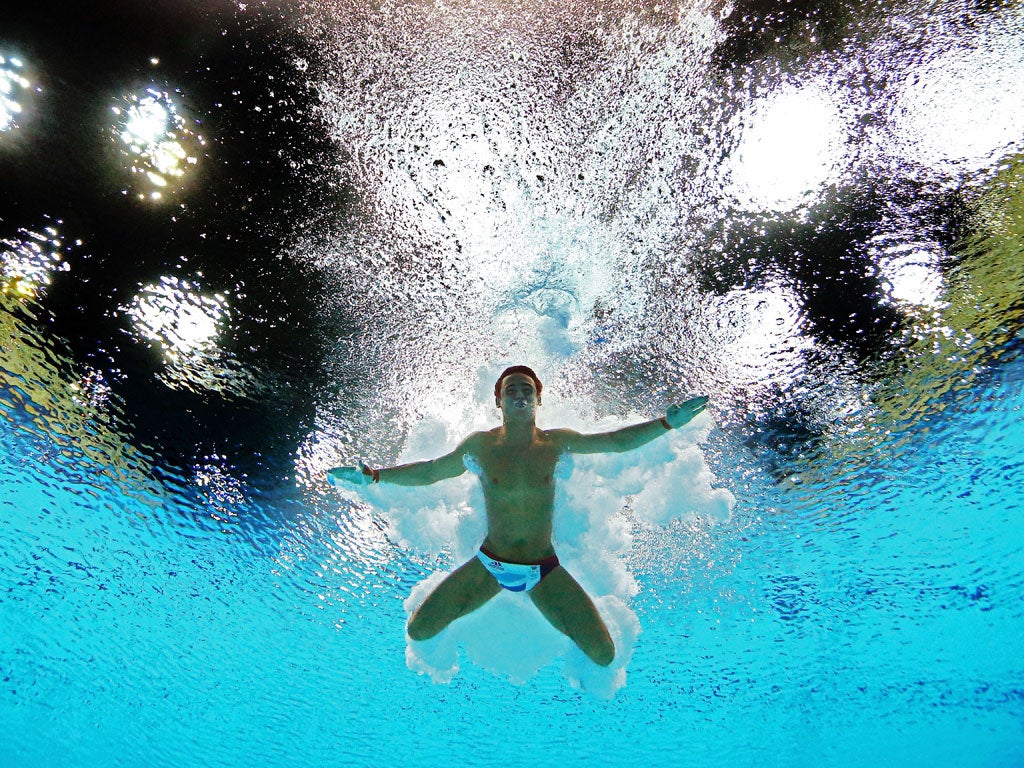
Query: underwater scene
[{"x": 245, "y": 243}]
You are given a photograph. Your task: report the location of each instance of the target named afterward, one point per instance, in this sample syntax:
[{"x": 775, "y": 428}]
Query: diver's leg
[
  {"x": 463, "y": 591},
  {"x": 565, "y": 604}
]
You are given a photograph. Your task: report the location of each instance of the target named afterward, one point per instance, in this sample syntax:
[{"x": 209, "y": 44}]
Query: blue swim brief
[{"x": 517, "y": 577}]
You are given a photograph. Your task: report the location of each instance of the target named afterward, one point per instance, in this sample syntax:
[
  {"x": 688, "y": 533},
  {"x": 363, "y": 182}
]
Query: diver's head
[{"x": 519, "y": 386}]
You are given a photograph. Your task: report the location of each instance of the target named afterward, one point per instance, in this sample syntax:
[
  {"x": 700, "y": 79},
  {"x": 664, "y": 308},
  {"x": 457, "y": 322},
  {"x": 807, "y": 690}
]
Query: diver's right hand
[{"x": 361, "y": 475}]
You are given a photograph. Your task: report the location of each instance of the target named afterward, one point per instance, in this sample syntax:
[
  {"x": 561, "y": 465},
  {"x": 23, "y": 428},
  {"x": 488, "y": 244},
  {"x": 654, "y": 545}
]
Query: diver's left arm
[{"x": 635, "y": 435}]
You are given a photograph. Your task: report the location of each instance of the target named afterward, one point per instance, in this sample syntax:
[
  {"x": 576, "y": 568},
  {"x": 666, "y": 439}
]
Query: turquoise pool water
[
  {"x": 872, "y": 618},
  {"x": 269, "y": 239}
]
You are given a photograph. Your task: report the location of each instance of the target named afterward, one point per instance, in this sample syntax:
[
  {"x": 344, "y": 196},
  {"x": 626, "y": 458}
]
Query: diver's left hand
[{"x": 681, "y": 413}]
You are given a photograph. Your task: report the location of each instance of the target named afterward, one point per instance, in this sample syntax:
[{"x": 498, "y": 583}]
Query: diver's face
[{"x": 518, "y": 396}]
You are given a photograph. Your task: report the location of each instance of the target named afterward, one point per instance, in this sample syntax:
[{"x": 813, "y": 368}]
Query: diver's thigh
[
  {"x": 568, "y": 607},
  {"x": 463, "y": 591}
]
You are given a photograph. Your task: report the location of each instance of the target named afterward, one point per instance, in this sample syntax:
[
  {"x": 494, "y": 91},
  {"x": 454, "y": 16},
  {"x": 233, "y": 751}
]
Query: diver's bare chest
[{"x": 518, "y": 470}]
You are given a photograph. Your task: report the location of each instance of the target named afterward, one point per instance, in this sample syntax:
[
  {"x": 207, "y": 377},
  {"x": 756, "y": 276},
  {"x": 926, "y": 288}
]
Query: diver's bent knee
[
  {"x": 419, "y": 630},
  {"x": 602, "y": 652},
  {"x": 604, "y": 655}
]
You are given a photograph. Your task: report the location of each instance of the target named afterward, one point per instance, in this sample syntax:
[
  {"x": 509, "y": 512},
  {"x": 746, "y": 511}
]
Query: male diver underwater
[{"x": 518, "y": 465}]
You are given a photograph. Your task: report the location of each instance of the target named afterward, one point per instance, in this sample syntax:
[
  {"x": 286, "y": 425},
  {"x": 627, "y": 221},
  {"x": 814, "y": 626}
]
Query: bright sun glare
[
  {"x": 12, "y": 86},
  {"x": 174, "y": 314},
  {"x": 155, "y": 142},
  {"x": 791, "y": 145},
  {"x": 962, "y": 110},
  {"x": 28, "y": 261}
]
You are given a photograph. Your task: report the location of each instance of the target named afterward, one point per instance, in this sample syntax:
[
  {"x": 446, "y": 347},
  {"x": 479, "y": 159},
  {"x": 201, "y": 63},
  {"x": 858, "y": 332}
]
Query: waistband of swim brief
[{"x": 547, "y": 563}]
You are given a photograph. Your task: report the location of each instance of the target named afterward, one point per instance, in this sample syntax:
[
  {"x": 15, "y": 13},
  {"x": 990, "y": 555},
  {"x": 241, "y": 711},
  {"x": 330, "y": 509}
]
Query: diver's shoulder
[
  {"x": 475, "y": 440},
  {"x": 561, "y": 436}
]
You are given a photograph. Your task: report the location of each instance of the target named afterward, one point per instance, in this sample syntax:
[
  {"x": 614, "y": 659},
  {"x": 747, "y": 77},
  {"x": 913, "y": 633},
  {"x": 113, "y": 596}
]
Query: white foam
[
  {"x": 439, "y": 656},
  {"x": 667, "y": 479}
]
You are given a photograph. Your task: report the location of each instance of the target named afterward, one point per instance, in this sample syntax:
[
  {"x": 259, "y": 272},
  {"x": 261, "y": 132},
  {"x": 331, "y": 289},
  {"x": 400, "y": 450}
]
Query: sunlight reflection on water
[
  {"x": 29, "y": 260},
  {"x": 157, "y": 145},
  {"x": 958, "y": 111},
  {"x": 13, "y": 85},
  {"x": 791, "y": 145}
]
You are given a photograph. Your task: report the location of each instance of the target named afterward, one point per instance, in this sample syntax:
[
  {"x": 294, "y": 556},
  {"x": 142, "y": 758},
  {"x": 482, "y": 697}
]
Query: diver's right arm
[{"x": 414, "y": 473}]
